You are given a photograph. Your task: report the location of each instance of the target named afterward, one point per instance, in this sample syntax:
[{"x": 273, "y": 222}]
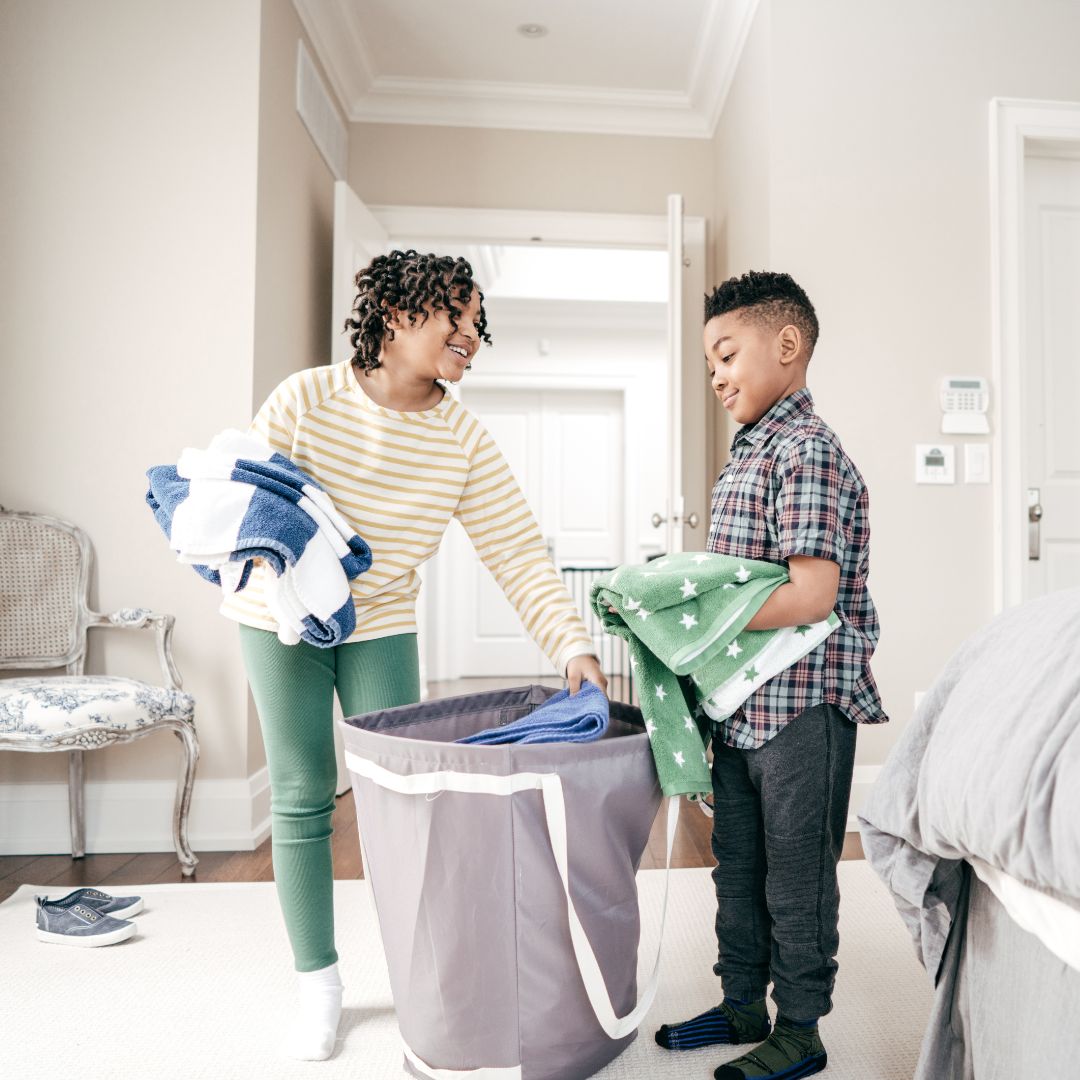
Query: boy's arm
[
  {"x": 807, "y": 598},
  {"x": 809, "y": 487}
]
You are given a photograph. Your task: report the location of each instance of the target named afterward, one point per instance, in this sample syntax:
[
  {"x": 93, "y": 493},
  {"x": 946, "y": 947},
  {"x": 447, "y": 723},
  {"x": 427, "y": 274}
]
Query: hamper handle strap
[
  {"x": 615, "y": 1026},
  {"x": 551, "y": 789}
]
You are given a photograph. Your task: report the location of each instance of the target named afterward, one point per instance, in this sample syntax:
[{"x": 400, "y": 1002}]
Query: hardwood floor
[{"x": 112, "y": 872}]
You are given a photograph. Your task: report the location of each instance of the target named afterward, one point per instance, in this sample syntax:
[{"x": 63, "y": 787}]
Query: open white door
[
  {"x": 685, "y": 515},
  {"x": 1051, "y": 469},
  {"x": 358, "y": 238}
]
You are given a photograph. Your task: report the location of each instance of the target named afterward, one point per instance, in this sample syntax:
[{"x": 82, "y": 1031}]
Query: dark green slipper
[{"x": 789, "y": 1053}]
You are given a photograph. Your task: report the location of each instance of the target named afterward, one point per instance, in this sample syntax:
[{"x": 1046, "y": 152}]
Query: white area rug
[{"x": 205, "y": 987}]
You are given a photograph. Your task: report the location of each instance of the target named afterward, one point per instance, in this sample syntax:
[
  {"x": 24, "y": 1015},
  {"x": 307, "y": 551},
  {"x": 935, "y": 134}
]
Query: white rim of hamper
[{"x": 551, "y": 789}]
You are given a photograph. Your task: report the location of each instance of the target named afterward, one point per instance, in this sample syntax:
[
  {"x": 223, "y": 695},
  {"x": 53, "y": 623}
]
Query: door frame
[
  {"x": 407, "y": 224},
  {"x": 1014, "y": 125}
]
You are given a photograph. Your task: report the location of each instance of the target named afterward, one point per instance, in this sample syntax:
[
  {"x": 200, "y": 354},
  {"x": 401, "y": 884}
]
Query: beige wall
[
  {"x": 741, "y": 153},
  {"x": 167, "y": 265},
  {"x": 412, "y": 165},
  {"x": 740, "y": 209},
  {"x": 127, "y": 278},
  {"x": 874, "y": 155},
  {"x": 294, "y": 238}
]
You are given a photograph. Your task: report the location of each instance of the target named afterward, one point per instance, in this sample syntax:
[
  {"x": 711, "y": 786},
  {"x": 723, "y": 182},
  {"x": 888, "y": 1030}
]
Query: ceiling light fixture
[{"x": 532, "y": 30}]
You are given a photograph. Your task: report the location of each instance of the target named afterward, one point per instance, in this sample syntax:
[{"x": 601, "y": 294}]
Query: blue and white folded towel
[
  {"x": 580, "y": 718},
  {"x": 239, "y": 499}
]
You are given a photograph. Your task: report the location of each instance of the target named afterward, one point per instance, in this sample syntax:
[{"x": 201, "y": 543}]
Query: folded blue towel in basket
[{"x": 580, "y": 718}]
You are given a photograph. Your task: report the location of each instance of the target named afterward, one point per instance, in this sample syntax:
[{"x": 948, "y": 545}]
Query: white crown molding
[
  {"x": 528, "y": 107},
  {"x": 723, "y": 38},
  {"x": 417, "y": 224},
  {"x": 369, "y": 98}
]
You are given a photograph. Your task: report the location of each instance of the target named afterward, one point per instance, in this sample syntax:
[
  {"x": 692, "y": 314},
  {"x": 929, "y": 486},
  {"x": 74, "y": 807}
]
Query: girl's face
[{"x": 434, "y": 348}]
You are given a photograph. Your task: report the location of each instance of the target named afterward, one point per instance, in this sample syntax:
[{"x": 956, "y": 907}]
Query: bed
[{"x": 974, "y": 826}]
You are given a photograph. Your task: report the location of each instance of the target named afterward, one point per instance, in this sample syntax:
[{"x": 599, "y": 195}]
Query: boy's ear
[{"x": 790, "y": 341}]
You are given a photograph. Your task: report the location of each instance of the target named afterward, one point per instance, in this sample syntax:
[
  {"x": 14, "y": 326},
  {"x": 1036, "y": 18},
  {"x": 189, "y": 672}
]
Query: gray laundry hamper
[{"x": 504, "y": 881}]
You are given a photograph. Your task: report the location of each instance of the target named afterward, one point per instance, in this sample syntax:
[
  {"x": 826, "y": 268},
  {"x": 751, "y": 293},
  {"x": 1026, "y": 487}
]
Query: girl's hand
[{"x": 585, "y": 667}]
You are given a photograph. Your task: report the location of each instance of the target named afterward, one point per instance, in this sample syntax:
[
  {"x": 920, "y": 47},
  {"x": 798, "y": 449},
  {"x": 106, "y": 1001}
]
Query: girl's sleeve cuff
[{"x": 568, "y": 652}]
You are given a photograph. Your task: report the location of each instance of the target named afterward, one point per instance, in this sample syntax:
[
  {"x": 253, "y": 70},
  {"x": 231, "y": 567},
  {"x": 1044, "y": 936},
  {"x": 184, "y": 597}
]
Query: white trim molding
[
  {"x": 862, "y": 781},
  {"x": 686, "y": 112},
  {"x": 1014, "y": 126},
  {"x": 135, "y": 816},
  {"x": 405, "y": 224}
]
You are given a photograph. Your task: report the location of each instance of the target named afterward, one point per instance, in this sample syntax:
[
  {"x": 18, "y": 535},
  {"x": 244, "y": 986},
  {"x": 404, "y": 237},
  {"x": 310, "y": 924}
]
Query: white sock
[{"x": 314, "y": 1028}]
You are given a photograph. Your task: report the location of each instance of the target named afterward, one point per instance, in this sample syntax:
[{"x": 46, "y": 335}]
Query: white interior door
[
  {"x": 1051, "y": 372},
  {"x": 358, "y": 238},
  {"x": 565, "y": 448},
  {"x": 684, "y": 516},
  {"x": 676, "y": 499}
]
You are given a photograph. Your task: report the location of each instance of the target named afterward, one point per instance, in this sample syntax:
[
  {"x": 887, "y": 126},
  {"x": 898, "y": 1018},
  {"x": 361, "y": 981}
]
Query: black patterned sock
[{"x": 731, "y": 1022}]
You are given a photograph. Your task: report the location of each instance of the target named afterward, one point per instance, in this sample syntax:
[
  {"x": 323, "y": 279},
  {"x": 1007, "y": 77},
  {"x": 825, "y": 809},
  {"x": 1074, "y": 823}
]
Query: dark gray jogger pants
[{"x": 778, "y": 832}]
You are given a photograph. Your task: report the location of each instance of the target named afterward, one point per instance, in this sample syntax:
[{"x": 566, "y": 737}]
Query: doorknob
[
  {"x": 1035, "y": 513},
  {"x": 691, "y": 520}
]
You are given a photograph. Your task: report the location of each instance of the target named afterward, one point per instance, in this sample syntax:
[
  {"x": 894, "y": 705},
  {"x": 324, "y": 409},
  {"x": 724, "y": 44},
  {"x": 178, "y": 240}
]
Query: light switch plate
[
  {"x": 935, "y": 463},
  {"x": 976, "y": 463}
]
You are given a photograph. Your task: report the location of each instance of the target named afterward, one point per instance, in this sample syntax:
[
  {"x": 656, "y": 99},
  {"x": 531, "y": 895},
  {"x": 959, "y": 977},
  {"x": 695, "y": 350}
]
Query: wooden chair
[{"x": 44, "y": 619}]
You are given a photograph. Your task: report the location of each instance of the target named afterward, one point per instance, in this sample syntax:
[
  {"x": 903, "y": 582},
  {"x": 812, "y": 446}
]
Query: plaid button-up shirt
[{"x": 790, "y": 489}]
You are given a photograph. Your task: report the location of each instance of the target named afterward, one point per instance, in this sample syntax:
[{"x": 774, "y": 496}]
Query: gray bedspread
[{"x": 989, "y": 767}]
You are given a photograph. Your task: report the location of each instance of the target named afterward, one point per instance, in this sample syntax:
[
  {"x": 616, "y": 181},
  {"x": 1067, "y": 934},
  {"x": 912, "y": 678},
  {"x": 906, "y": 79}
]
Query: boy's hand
[{"x": 585, "y": 667}]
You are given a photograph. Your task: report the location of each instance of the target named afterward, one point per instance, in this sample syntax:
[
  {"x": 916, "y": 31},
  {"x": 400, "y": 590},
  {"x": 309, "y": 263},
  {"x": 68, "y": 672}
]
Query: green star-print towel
[{"x": 684, "y": 619}]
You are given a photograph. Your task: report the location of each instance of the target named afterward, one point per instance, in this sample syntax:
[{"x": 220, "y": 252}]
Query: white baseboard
[
  {"x": 135, "y": 816},
  {"x": 861, "y": 782}
]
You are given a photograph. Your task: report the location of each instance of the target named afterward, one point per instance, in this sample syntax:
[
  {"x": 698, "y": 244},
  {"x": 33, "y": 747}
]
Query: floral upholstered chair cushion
[{"x": 83, "y": 710}]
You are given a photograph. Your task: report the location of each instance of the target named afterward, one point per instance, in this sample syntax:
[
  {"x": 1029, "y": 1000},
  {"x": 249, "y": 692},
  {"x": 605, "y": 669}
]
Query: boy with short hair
[{"x": 782, "y": 763}]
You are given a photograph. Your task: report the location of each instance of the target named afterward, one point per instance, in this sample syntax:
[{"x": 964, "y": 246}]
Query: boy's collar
[{"x": 792, "y": 405}]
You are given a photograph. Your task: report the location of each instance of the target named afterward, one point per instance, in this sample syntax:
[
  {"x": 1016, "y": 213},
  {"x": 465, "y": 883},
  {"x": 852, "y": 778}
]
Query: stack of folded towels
[{"x": 239, "y": 500}]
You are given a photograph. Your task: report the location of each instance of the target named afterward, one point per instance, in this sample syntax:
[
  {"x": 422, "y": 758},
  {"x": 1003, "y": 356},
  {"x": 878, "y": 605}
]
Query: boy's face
[{"x": 752, "y": 366}]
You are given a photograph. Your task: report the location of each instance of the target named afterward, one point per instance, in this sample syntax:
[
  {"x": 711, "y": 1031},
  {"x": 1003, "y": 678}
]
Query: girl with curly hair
[{"x": 398, "y": 456}]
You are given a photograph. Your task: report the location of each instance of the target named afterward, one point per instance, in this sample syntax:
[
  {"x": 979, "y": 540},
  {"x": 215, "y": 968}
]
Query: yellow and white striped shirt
[{"x": 397, "y": 477}]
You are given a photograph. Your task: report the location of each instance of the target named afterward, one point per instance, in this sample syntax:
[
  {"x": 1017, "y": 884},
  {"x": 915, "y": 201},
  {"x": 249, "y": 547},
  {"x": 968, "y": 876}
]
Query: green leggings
[{"x": 293, "y": 687}]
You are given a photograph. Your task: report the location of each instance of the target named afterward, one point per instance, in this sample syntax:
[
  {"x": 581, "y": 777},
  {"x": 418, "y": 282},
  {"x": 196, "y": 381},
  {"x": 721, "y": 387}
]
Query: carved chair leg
[
  {"x": 186, "y": 734},
  {"x": 76, "y": 804}
]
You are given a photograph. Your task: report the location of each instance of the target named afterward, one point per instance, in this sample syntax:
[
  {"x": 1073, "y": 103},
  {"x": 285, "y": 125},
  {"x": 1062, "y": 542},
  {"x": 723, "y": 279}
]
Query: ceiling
[{"x": 633, "y": 67}]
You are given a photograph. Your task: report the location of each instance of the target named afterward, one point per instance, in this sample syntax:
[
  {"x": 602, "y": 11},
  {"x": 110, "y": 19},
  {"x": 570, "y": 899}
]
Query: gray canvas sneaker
[
  {"x": 119, "y": 907},
  {"x": 77, "y": 924}
]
